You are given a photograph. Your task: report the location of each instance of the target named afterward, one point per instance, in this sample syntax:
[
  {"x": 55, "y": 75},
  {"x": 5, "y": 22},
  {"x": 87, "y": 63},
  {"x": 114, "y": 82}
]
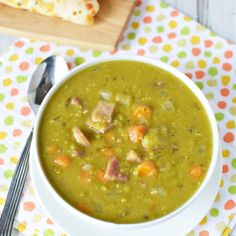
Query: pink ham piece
[
  {"x": 75, "y": 101},
  {"x": 132, "y": 156},
  {"x": 112, "y": 172},
  {"x": 103, "y": 112},
  {"x": 79, "y": 137},
  {"x": 122, "y": 178}
]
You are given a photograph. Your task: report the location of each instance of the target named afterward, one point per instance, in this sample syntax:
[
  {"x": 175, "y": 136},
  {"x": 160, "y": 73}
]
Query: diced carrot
[
  {"x": 153, "y": 207},
  {"x": 136, "y": 133},
  {"x": 142, "y": 112},
  {"x": 62, "y": 160},
  {"x": 197, "y": 171},
  {"x": 107, "y": 152},
  {"x": 84, "y": 209},
  {"x": 52, "y": 149},
  {"x": 147, "y": 168},
  {"x": 100, "y": 175},
  {"x": 84, "y": 176}
]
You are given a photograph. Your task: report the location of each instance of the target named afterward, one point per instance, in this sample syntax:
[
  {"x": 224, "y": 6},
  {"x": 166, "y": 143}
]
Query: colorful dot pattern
[{"x": 154, "y": 30}]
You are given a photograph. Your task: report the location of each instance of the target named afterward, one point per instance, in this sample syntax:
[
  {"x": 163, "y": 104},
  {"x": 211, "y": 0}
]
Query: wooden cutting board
[{"x": 103, "y": 35}]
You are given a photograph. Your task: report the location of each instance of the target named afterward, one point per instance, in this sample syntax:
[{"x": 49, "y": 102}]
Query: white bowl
[{"x": 213, "y": 174}]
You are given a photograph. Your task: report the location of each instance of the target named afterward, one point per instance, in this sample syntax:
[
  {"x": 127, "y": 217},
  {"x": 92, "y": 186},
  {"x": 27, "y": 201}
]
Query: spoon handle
[{"x": 15, "y": 191}]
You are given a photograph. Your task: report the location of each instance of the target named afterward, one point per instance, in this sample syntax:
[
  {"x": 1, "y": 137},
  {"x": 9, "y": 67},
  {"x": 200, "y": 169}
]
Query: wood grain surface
[
  {"x": 217, "y": 15},
  {"x": 103, "y": 35}
]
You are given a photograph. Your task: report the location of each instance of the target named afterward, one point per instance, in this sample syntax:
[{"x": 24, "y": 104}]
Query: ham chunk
[
  {"x": 76, "y": 101},
  {"x": 103, "y": 112},
  {"x": 80, "y": 137},
  {"x": 132, "y": 156},
  {"x": 99, "y": 127},
  {"x": 112, "y": 172},
  {"x": 122, "y": 178}
]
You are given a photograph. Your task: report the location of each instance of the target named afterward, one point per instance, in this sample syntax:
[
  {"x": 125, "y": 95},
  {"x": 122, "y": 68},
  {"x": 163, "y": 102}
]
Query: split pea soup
[{"x": 125, "y": 142}]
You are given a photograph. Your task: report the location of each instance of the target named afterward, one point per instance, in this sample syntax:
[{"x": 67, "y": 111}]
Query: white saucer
[{"x": 178, "y": 226}]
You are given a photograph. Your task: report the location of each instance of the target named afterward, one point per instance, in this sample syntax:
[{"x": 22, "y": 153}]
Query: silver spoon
[{"x": 45, "y": 76}]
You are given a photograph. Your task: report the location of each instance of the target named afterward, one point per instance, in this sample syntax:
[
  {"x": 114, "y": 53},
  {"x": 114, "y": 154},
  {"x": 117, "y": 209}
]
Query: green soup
[{"x": 125, "y": 142}]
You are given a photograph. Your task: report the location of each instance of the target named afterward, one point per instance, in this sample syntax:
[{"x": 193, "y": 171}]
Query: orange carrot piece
[
  {"x": 52, "y": 149},
  {"x": 84, "y": 176},
  {"x": 142, "y": 112},
  {"x": 100, "y": 175},
  {"x": 62, "y": 160},
  {"x": 153, "y": 207},
  {"x": 147, "y": 168},
  {"x": 84, "y": 209},
  {"x": 136, "y": 133},
  {"x": 107, "y": 152},
  {"x": 197, "y": 171}
]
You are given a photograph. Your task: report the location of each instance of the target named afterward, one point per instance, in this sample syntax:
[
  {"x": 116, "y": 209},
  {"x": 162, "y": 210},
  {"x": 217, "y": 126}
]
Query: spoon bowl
[{"x": 49, "y": 72}]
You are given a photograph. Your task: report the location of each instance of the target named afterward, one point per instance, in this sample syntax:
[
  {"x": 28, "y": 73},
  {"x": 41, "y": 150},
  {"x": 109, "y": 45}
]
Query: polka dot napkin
[{"x": 155, "y": 30}]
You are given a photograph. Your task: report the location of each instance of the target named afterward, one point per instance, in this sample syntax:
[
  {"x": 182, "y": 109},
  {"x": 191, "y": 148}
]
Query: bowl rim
[{"x": 179, "y": 75}]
